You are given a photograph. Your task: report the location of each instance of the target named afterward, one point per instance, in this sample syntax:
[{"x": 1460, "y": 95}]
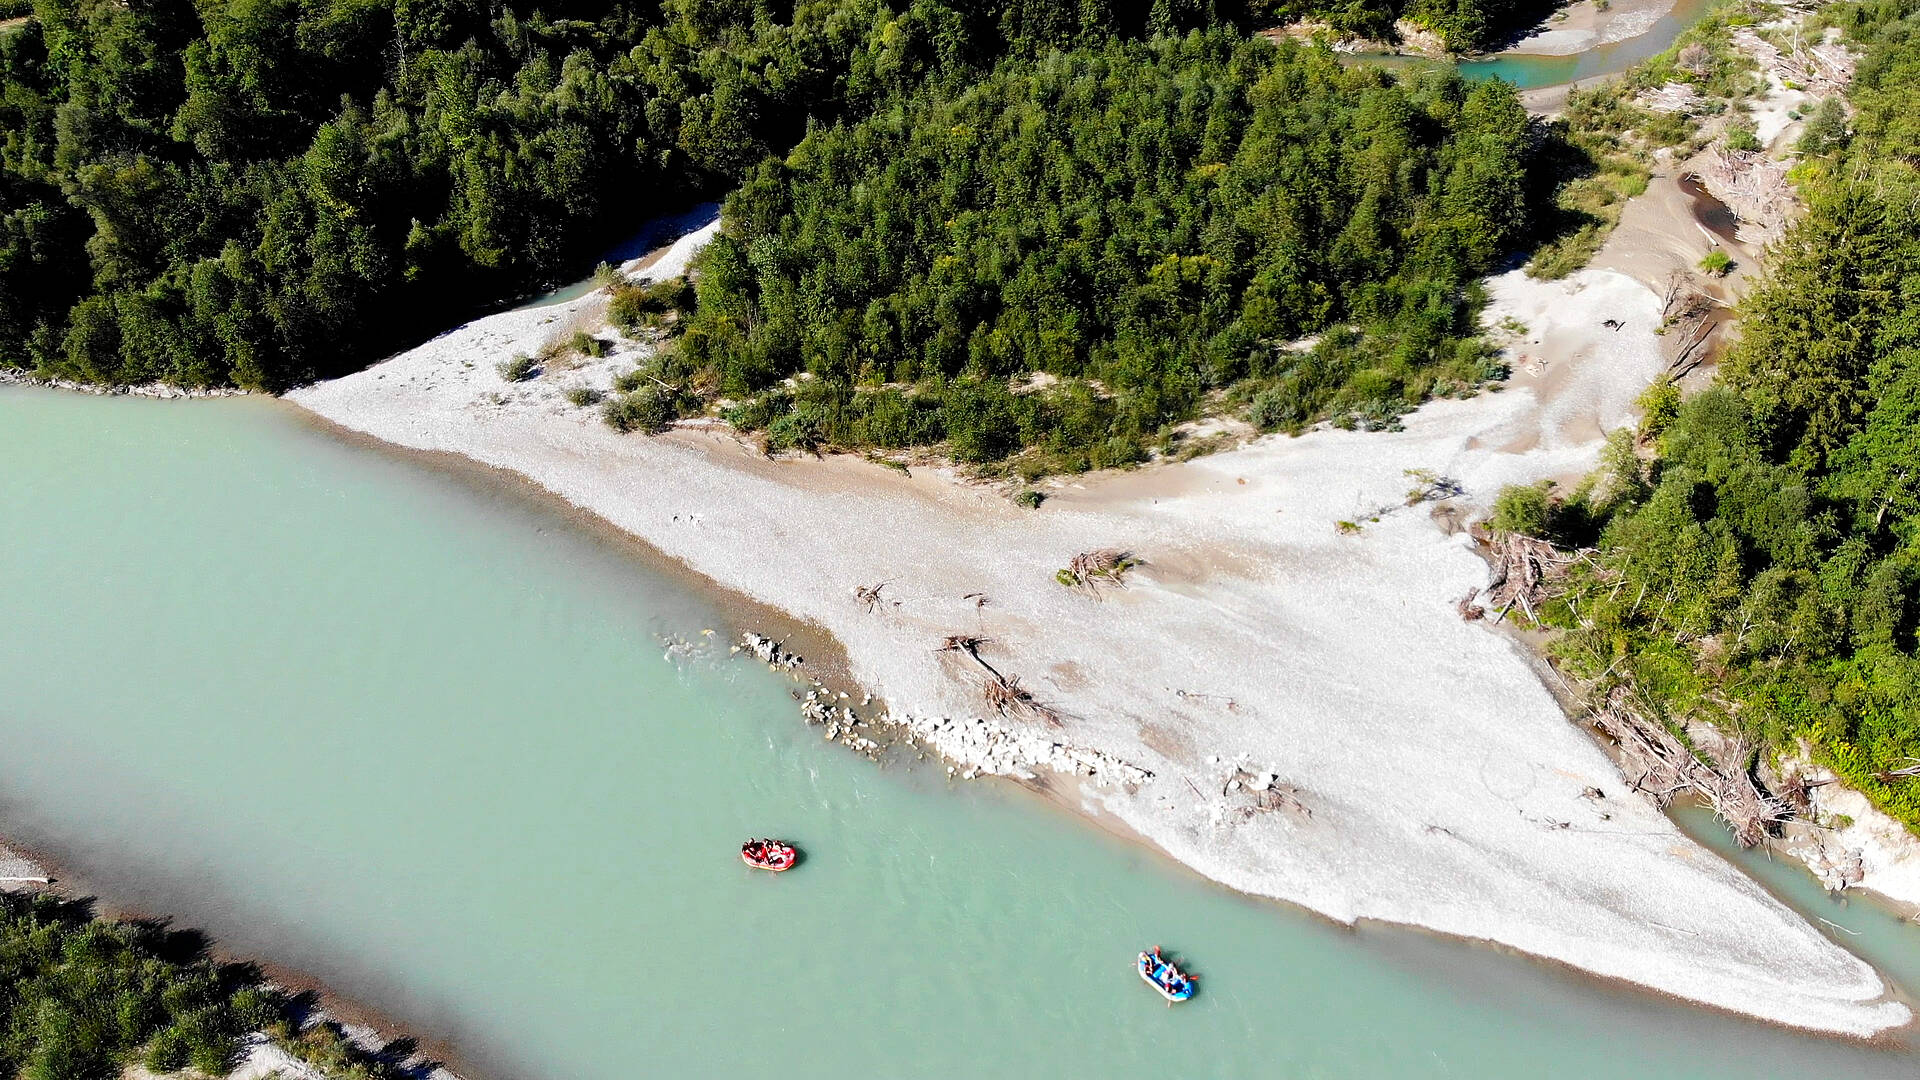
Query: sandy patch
[
  {"x": 1546, "y": 101},
  {"x": 1658, "y": 230}
]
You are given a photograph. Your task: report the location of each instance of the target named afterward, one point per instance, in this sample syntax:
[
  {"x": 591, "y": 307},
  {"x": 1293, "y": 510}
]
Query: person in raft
[{"x": 1165, "y": 973}]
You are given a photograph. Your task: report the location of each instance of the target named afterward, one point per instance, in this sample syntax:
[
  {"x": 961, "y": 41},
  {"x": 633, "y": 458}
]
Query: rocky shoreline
[{"x": 157, "y": 390}]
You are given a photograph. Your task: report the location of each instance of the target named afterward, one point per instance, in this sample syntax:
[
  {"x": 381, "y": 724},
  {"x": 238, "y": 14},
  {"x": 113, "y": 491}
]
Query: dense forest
[
  {"x": 1763, "y": 569},
  {"x": 1075, "y": 251},
  {"x": 263, "y": 192},
  {"x": 266, "y": 191}
]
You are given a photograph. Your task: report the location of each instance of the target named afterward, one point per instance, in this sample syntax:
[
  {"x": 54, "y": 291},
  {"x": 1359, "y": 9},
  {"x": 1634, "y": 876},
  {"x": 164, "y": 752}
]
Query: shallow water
[
  {"x": 1713, "y": 215},
  {"x": 414, "y": 733}
]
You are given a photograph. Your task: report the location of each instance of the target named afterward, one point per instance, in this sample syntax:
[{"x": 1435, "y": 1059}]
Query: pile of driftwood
[
  {"x": 1754, "y": 186},
  {"x": 1003, "y": 693},
  {"x": 1091, "y": 569},
  {"x": 1688, "y": 318},
  {"x": 1524, "y": 569},
  {"x": 1673, "y": 97},
  {"x": 1658, "y": 763},
  {"x": 1824, "y": 67},
  {"x": 1264, "y": 793}
]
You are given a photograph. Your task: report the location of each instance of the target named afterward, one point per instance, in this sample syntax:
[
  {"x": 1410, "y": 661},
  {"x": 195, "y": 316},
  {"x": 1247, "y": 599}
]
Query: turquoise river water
[{"x": 413, "y": 733}]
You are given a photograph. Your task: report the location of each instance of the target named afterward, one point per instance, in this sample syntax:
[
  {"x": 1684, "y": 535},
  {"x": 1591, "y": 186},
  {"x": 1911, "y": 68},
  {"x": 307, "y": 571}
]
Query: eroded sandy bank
[{"x": 1438, "y": 783}]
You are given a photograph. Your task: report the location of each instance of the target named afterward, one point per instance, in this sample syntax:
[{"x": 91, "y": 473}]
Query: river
[
  {"x": 1531, "y": 72},
  {"x": 413, "y": 732}
]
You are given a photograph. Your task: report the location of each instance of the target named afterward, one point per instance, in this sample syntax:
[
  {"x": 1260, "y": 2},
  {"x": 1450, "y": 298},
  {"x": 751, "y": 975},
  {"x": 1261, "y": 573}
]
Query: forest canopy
[
  {"x": 1138, "y": 225},
  {"x": 263, "y": 192},
  {"x": 267, "y": 191}
]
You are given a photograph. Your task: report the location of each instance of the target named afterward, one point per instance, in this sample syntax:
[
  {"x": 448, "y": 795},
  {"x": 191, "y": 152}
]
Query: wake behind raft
[{"x": 1162, "y": 974}]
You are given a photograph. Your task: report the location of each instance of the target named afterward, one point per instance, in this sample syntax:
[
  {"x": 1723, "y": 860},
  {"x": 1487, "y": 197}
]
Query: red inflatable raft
[{"x": 768, "y": 855}]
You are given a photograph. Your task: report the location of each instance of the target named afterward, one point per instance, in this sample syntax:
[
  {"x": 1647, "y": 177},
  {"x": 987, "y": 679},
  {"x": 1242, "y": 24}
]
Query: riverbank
[{"x": 1289, "y": 704}]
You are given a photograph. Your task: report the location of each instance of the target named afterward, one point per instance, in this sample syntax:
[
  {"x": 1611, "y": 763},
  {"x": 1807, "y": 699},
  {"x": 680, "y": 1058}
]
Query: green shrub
[
  {"x": 1278, "y": 407},
  {"x": 1743, "y": 137},
  {"x": 1717, "y": 262},
  {"x": 169, "y": 1051},
  {"x": 585, "y": 396},
  {"x": 633, "y": 307},
  {"x": 756, "y": 413},
  {"x": 1659, "y": 407},
  {"x": 1523, "y": 509},
  {"x": 1826, "y": 130},
  {"x": 519, "y": 368},
  {"x": 983, "y": 422},
  {"x": 257, "y": 1008},
  {"x": 649, "y": 410},
  {"x": 212, "y": 1049},
  {"x": 1121, "y": 451},
  {"x": 586, "y": 344}
]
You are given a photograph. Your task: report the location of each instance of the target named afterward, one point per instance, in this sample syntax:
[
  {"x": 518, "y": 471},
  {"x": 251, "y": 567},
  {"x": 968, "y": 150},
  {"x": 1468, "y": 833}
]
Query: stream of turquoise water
[{"x": 414, "y": 733}]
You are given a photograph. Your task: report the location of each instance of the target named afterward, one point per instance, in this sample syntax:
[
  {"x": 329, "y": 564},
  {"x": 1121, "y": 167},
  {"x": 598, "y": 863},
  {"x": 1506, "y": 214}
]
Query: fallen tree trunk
[{"x": 1666, "y": 766}]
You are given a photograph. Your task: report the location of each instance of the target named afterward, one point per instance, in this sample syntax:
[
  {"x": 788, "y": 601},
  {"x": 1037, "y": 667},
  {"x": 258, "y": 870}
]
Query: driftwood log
[
  {"x": 1091, "y": 569},
  {"x": 1658, "y": 763},
  {"x": 868, "y": 596},
  {"x": 1688, "y": 317},
  {"x": 1524, "y": 569},
  {"x": 1003, "y": 693},
  {"x": 1822, "y": 66}
]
